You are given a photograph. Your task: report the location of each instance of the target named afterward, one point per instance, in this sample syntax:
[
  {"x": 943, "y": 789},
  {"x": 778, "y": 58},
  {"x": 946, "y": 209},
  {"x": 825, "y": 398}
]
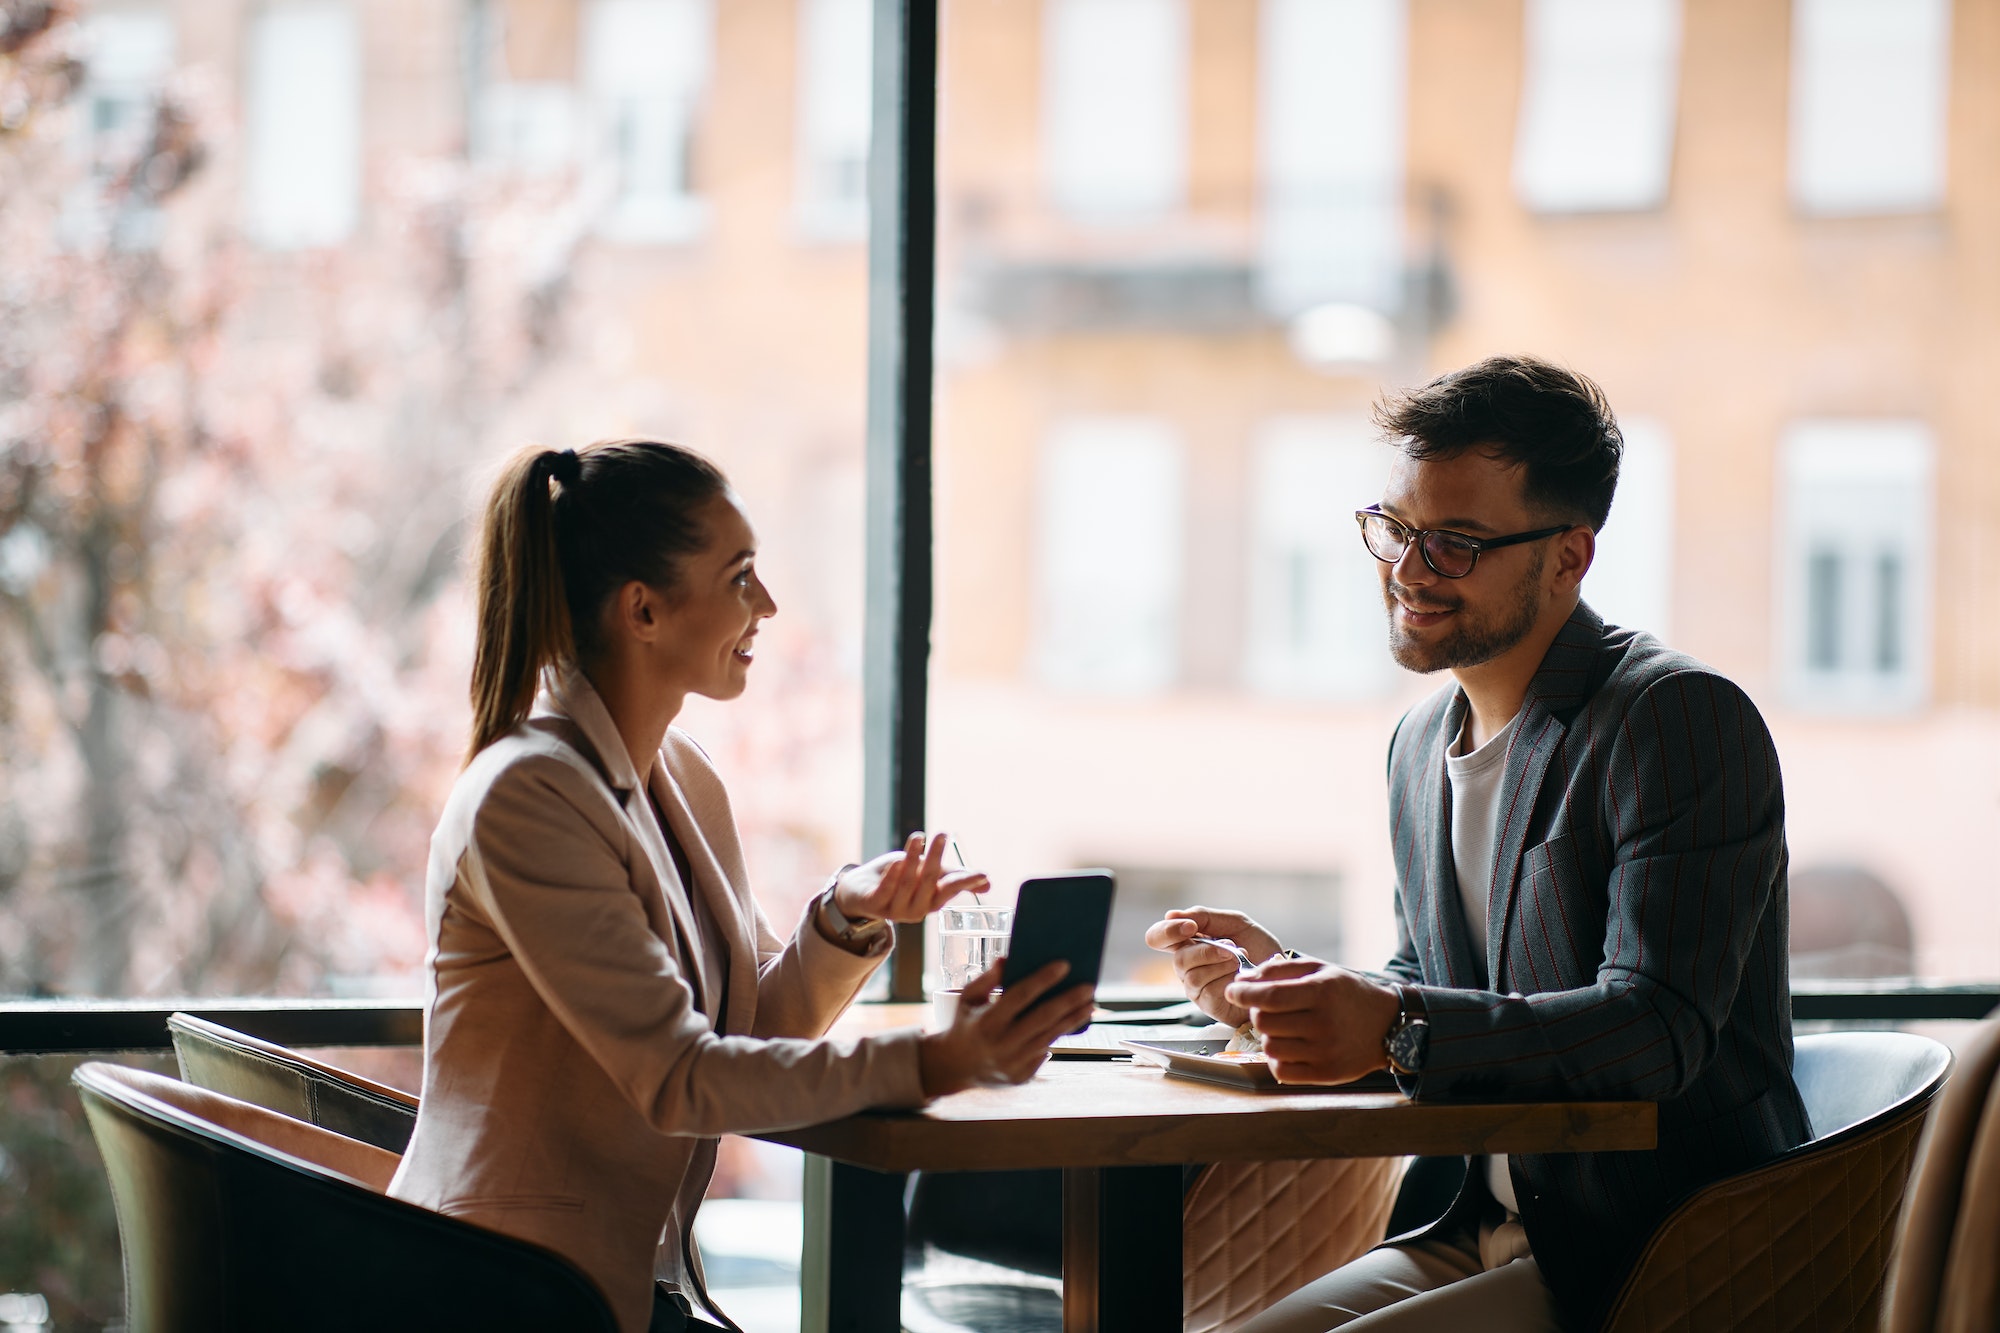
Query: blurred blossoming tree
[{"x": 231, "y": 485}]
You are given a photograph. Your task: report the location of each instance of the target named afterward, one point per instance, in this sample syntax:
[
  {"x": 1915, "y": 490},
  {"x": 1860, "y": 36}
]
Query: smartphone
[{"x": 1060, "y": 916}]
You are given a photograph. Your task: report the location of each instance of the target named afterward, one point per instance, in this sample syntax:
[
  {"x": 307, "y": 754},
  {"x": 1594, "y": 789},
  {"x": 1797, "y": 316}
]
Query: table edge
[{"x": 909, "y": 1141}]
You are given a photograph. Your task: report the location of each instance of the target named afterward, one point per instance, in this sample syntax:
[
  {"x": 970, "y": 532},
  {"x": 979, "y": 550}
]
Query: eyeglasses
[{"x": 1449, "y": 554}]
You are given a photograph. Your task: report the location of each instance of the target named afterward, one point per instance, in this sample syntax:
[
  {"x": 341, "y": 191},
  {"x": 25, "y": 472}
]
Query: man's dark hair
[{"x": 1556, "y": 424}]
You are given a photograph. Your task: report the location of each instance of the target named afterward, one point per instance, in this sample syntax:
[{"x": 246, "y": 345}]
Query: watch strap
[
  {"x": 858, "y": 935},
  {"x": 1407, "y": 1043}
]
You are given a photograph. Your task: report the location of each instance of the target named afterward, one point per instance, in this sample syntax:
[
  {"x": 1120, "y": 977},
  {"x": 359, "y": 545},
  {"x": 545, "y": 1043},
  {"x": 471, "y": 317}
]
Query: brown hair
[
  {"x": 1554, "y": 423},
  {"x": 562, "y": 532}
]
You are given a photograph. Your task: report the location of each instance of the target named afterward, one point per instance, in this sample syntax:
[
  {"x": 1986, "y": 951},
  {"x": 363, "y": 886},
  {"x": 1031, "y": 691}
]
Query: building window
[
  {"x": 523, "y": 63},
  {"x": 1317, "y": 626},
  {"x": 127, "y": 56},
  {"x": 1856, "y": 547},
  {"x": 1869, "y": 82},
  {"x": 527, "y": 127},
  {"x": 1114, "y": 111},
  {"x": 1597, "y": 106},
  {"x": 1630, "y": 582},
  {"x": 1330, "y": 153},
  {"x": 835, "y": 109},
  {"x": 1109, "y": 576},
  {"x": 303, "y": 125},
  {"x": 646, "y": 67}
]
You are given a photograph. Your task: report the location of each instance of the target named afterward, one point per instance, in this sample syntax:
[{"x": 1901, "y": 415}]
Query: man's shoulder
[
  {"x": 1639, "y": 664},
  {"x": 1657, "y": 699}
]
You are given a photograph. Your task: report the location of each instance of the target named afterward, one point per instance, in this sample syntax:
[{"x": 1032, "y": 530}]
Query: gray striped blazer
[{"x": 1637, "y": 938}]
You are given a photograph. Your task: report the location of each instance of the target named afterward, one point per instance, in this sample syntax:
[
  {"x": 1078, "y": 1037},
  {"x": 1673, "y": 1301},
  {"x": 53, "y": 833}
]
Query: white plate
[{"x": 1202, "y": 1058}]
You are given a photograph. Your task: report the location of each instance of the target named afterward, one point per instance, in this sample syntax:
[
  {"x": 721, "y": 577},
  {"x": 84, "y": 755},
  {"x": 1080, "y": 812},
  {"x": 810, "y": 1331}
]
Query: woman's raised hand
[
  {"x": 905, "y": 886},
  {"x": 996, "y": 1041}
]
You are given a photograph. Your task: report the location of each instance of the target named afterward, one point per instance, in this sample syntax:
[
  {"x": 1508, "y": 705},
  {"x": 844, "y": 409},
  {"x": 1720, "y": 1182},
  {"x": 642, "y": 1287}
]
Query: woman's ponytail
[
  {"x": 524, "y": 620},
  {"x": 621, "y": 510}
]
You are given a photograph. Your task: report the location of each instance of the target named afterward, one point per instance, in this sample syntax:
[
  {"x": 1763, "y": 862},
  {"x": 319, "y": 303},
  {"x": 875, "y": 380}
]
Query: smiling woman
[{"x": 592, "y": 926}]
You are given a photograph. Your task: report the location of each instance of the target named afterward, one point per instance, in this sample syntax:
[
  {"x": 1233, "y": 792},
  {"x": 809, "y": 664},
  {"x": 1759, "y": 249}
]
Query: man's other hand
[
  {"x": 1203, "y": 969},
  {"x": 1320, "y": 1022}
]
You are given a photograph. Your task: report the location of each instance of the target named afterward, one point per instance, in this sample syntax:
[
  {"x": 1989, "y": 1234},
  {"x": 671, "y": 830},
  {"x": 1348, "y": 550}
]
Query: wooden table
[{"x": 1120, "y": 1133}]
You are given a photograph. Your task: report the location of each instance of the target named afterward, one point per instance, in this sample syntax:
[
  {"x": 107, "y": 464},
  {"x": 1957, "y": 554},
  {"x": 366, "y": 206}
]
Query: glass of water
[{"x": 970, "y": 940}]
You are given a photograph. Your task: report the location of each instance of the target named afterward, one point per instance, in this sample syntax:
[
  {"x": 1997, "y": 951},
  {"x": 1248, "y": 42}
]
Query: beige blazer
[{"x": 573, "y": 1086}]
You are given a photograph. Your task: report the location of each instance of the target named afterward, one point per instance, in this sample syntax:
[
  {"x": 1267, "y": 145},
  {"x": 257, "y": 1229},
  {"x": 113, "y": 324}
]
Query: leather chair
[
  {"x": 238, "y": 1219},
  {"x": 1802, "y": 1242},
  {"x": 1251, "y": 1233},
  {"x": 1947, "y": 1272},
  {"x": 264, "y": 1074}
]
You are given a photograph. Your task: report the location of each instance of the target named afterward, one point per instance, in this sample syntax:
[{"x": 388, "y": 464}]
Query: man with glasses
[{"x": 1589, "y": 841}]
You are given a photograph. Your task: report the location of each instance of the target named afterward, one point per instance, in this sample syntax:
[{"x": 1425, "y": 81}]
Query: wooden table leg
[
  {"x": 852, "y": 1270},
  {"x": 1121, "y": 1249}
]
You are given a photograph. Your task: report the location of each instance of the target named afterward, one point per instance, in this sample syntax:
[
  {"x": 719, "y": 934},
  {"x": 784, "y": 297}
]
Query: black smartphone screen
[{"x": 1060, "y": 916}]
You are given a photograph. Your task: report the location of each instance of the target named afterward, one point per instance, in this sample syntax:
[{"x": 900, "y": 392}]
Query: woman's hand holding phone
[
  {"x": 904, "y": 886},
  {"x": 1206, "y": 970},
  {"x": 992, "y": 1042}
]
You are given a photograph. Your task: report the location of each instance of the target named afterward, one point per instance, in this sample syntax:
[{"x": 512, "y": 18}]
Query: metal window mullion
[
  {"x": 902, "y": 196},
  {"x": 849, "y": 1279}
]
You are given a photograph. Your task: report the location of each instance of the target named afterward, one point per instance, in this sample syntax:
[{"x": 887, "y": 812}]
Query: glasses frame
[{"x": 1415, "y": 537}]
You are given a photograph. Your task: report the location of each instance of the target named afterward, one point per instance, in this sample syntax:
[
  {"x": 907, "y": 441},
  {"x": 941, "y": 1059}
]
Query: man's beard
[{"x": 1471, "y": 641}]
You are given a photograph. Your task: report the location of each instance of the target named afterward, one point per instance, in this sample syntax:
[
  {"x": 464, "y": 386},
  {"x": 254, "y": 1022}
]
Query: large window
[
  {"x": 240, "y": 446},
  {"x": 1189, "y": 680},
  {"x": 283, "y": 284}
]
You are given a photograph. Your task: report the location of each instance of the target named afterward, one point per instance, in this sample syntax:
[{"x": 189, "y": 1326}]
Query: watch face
[{"x": 1406, "y": 1044}]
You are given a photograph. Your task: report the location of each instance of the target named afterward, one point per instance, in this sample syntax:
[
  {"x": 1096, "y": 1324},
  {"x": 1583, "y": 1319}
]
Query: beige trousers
[{"x": 1484, "y": 1279}]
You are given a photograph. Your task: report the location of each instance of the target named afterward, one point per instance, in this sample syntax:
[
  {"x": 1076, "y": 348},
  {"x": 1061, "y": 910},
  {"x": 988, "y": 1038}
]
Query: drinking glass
[{"x": 970, "y": 940}]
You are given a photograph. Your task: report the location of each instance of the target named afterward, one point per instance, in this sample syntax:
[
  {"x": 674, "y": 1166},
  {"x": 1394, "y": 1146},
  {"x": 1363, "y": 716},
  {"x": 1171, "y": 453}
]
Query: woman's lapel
[
  {"x": 671, "y": 910},
  {"x": 718, "y": 895}
]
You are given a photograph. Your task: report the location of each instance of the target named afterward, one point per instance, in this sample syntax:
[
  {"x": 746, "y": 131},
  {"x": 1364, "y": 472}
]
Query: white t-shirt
[{"x": 1475, "y": 828}]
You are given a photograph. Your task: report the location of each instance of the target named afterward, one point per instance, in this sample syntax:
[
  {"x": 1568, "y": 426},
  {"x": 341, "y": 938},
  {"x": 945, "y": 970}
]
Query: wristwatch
[
  {"x": 863, "y": 936},
  {"x": 1409, "y": 1039}
]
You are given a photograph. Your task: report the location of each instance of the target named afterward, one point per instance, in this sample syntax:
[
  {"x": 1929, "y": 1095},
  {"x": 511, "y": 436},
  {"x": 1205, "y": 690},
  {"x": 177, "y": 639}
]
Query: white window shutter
[
  {"x": 1110, "y": 555},
  {"x": 1115, "y": 108},
  {"x": 1869, "y": 89},
  {"x": 1599, "y": 91},
  {"x": 303, "y": 124}
]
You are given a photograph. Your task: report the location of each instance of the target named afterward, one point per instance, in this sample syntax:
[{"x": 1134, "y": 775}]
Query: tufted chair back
[{"x": 1802, "y": 1242}]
